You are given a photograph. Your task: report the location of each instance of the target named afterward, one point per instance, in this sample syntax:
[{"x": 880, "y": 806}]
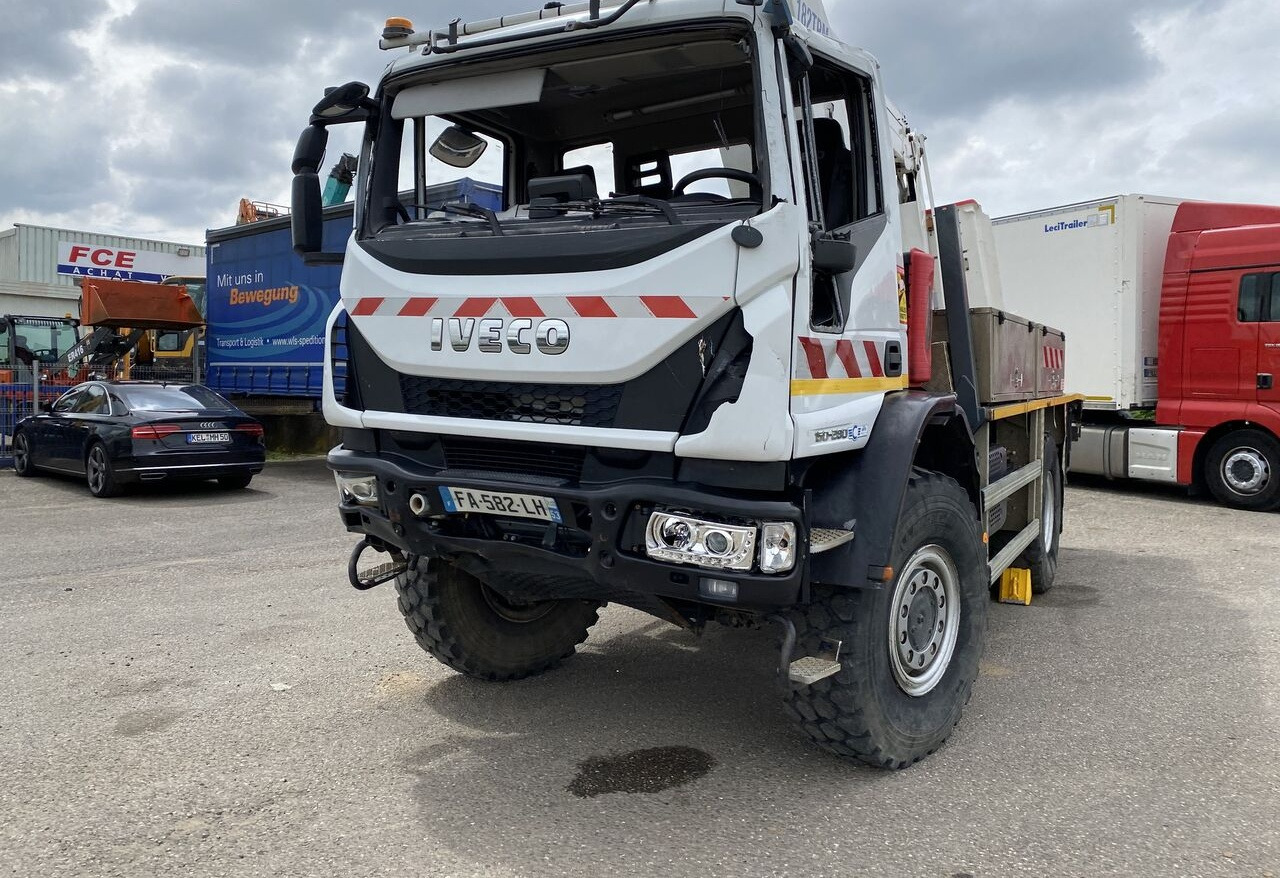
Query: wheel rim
[
  {"x": 20, "y": 453},
  {"x": 1246, "y": 471},
  {"x": 97, "y": 469},
  {"x": 512, "y": 611},
  {"x": 1049, "y": 509},
  {"x": 925, "y": 621}
]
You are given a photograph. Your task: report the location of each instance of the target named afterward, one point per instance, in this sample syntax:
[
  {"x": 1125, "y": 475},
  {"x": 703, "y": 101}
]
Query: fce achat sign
[{"x": 117, "y": 263}]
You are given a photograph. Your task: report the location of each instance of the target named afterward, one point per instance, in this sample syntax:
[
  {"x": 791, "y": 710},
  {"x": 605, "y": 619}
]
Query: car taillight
[
  {"x": 155, "y": 431},
  {"x": 254, "y": 431}
]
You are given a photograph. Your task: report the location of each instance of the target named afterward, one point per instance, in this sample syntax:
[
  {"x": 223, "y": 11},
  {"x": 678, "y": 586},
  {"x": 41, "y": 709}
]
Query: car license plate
[
  {"x": 499, "y": 503},
  {"x": 197, "y": 438}
]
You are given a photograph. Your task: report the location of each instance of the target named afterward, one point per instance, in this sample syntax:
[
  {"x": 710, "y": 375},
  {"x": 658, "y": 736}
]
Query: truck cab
[
  {"x": 1220, "y": 349},
  {"x": 671, "y": 368}
]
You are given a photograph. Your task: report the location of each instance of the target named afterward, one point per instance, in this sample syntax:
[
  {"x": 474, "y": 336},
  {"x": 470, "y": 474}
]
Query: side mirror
[
  {"x": 306, "y": 214},
  {"x": 306, "y": 210},
  {"x": 835, "y": 255},
  {"x": 309, "y": 152},
  {"x": 342, "y": 102},
  {"x": 46, "y": 405},
  {"x": 458, "y": 147}
]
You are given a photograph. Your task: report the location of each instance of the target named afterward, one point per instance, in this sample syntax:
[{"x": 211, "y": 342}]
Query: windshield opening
[{"x": 659, "y": 131}]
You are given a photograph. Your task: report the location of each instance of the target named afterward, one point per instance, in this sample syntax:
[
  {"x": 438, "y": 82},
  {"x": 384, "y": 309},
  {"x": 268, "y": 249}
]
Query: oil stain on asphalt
[{"x": 640, "y": 771}]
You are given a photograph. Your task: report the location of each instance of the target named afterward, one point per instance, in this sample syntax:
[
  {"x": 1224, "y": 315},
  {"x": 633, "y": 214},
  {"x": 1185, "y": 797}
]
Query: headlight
[
  {"x": 359, "y": 489},
  {"x": 672, "y": 536}
]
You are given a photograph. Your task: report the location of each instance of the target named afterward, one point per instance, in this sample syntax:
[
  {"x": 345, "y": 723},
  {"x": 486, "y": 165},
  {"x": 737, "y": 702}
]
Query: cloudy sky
[{"x": 154, "y": 117}]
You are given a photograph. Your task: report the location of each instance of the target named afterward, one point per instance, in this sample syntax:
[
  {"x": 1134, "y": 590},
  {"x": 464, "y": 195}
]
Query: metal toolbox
[{"x": 1007, "y": 350}]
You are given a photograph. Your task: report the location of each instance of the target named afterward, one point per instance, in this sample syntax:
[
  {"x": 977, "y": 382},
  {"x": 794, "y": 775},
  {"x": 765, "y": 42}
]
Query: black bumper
[{"x": 600, "y": 542}]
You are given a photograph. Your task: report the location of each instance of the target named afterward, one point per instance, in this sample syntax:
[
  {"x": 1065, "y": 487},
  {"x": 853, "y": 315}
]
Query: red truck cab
[{"x": 1220, "y": 350}]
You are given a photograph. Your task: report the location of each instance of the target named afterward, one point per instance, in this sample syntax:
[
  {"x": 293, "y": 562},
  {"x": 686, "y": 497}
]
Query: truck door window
[
  {"x": 4, "y": 344},
  {"x": 845, "y": 145},
  {"x": 1259, "y": 298},
  {"x": 842, "y": 151}
]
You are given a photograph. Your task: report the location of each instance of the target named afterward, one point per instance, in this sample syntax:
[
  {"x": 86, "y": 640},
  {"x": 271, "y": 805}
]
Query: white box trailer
[{"x": 1094, "y": 270}]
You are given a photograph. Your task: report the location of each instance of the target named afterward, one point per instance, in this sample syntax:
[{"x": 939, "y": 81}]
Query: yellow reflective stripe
[
  {"x": 1022, "y": 408},
  {"x": 828, "y": 386}
]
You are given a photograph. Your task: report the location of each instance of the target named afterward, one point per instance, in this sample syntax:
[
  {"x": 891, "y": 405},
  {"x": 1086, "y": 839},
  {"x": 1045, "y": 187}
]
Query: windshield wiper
[
  {"x": 467, "y": 208},
  {"x": 633, "y": 204}
]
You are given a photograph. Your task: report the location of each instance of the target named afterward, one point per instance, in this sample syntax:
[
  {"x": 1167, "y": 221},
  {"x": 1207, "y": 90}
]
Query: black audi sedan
[{"x": 117, "y": 433}]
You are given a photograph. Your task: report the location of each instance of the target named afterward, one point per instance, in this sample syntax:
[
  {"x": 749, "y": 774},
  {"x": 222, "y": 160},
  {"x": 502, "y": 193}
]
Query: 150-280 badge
[{"x": 841, "y": 434}]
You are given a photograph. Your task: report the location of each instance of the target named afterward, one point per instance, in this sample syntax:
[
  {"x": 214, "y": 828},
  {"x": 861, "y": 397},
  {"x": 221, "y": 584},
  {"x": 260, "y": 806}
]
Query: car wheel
[
  {"x": 99, "y": 472},
  {"x": 235, "y": 483},
  {"x": 22, "y": 464}
]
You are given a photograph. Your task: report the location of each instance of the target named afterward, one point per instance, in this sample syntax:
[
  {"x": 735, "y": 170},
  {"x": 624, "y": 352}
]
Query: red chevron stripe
[
  {"x": 873, "y": 359},
  {"x": 844, "y": 350},
  {"x": 523, "y": 306},
  {"x": 475, "y": 307},
  {"x": 590, "y": 306},
  {"x": 667, "y": 306},
  {"x": 814, "y": 354},
  {"x": 365, "y": 307},
  {"x": 417, "y": 307}
]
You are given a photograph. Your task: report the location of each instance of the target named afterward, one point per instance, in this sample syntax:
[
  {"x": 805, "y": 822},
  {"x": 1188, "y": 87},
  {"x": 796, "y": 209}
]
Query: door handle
[{"x": 1265, "y": 381}]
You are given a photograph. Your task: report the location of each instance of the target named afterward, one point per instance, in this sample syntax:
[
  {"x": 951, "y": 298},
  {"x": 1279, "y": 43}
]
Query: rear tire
[
  {"x": 1041, "y": 557},
  {"x": 22, "y": 455},
  {"x": 1242, "y": 469},
  {"x": 99, "y": 473},
  {"x": 474, "y": 630},
  {"x": 910, "y": 649},
  {"x": 235, "y": 483}
]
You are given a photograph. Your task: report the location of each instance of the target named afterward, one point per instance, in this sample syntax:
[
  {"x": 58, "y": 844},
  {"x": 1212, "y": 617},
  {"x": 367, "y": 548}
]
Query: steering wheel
[{"x": 756, "y": 190}]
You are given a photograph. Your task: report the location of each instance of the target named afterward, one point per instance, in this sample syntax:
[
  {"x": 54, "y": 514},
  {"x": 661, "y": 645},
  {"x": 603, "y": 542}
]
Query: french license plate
[
  {"x": 499, "y": 503},
  {"x": 198, "y": 438}
]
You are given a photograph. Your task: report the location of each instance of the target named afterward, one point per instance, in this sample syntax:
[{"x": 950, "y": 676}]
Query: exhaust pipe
[{"x": 418, "y": 505}]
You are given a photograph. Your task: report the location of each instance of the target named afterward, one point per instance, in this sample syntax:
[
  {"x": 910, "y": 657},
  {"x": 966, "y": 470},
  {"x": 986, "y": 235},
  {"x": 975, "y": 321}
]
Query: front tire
[
  {"x": 22, "y": 464},
  {"x": 474, "y": 630},
  {"x": 1242, "y": 469},
  {"x": 99, "y": 473},
  {"x": 910, "y": 649}
]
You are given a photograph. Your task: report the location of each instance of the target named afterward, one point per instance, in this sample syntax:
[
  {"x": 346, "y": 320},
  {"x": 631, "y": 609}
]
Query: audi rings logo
[{"x": 208, "y": 425}]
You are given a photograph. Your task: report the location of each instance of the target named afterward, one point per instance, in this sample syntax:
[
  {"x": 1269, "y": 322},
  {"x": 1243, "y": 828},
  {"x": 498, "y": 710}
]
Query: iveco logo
[{"x": 491, "y": 333}]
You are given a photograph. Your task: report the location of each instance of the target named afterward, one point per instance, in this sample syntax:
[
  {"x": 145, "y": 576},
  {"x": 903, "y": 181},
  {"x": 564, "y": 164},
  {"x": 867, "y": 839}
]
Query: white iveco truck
[{"x": 687, "y": 365}]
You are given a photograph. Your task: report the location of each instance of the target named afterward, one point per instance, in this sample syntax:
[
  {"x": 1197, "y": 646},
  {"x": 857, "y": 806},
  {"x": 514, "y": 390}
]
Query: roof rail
[{"x": 447, "y": 41}]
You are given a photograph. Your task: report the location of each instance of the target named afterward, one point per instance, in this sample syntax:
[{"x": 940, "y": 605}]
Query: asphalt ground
[{"x": 189, "y": 687}]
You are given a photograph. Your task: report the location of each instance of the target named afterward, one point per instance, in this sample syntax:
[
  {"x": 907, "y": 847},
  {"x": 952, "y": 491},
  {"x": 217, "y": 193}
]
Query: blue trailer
[{"x": 267, "y": 310}]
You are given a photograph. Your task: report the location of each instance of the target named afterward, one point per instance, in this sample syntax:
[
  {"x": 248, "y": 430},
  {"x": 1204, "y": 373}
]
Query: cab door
[{"x": 1268, "y": 374}]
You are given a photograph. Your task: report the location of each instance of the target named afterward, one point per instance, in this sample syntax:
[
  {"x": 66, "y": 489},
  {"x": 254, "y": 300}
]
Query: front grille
[
  {"x": 572, "y": 405},
  {"x": 519, "y": 458}
]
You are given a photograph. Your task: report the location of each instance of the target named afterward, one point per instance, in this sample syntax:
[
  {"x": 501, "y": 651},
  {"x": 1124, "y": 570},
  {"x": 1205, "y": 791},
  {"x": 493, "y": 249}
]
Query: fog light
[
  {"x": 719, "y": 589},
  {"x": 674, "y": 536},
  {"x": 359, "y": 489},
  {"x": 777, "y": 547}
]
